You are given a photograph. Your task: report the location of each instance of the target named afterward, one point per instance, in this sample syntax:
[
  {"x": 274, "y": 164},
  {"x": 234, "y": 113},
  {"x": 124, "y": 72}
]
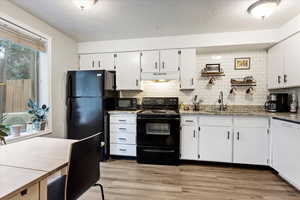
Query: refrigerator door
[
  {"x": 85, "y": 83},
  {"x": 85, "y": 117}
]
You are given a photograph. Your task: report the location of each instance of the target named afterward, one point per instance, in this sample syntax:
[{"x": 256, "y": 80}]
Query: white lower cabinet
[
  {"x": 251, "y": 146},
  {"x": 225, "y": 139},
  {"x": 189, "y": 142},
  {"x": 215, "y": 144},
  {"x": 123, "y": 134},
  {"x": 286, "y": 150}
]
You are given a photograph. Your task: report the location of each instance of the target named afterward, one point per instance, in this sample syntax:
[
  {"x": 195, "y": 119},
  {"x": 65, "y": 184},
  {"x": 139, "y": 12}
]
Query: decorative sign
[{"x": 242, "y": 63}]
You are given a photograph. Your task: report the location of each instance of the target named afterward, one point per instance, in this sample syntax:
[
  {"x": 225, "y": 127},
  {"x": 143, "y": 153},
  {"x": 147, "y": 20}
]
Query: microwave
[{"x": 127, "y": 104}]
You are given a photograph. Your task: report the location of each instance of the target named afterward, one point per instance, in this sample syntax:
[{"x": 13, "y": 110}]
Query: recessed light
[
  {"x": 263, "y": 8},
  {"x": 84, "y": 4}
]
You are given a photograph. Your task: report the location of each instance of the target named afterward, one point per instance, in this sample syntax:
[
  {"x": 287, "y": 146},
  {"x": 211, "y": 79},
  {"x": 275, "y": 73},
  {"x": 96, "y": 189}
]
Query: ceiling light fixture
[
  {"x": 263, "y": 8},
  {"x": 84, "y": 4}
]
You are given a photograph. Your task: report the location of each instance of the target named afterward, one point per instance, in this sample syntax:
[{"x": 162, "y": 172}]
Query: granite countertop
[
  {"x": 255, "y": 111},
  {"x": 123, "y": 111}
]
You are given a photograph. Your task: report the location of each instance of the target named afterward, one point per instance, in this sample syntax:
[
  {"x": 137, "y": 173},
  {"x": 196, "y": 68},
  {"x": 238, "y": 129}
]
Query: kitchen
[{"x": 210, "y": 114}]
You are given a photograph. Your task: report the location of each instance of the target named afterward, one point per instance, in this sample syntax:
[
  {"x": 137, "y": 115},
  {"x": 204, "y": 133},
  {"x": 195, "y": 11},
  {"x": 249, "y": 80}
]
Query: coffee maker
[{"x": 277, "y": 102}]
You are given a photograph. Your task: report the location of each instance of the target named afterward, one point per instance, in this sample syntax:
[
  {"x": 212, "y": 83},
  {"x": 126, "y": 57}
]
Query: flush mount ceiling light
[
  {"x": 263, "y": 8},
  {"x": 84, "y": 4}
]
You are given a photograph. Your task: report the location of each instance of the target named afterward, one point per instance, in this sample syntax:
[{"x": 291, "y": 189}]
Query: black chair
[{"x": 83, "y": 171}]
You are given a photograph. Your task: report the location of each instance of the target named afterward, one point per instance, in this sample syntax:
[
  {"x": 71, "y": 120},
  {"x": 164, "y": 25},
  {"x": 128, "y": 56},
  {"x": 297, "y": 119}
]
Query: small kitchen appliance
[
  {"x": 158, "y": 131},
  {"x": 278, "y": 102},
  {"x": 294, "y": 103},
  {"x": 127, "y": 104}
]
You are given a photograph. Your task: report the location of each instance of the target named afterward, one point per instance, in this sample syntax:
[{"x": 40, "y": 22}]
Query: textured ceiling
[{"x": 124, "y": 19}]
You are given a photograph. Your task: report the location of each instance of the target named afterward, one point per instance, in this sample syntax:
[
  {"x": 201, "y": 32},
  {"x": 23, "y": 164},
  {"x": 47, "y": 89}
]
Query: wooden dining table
[{"x": 26, "y": 166}]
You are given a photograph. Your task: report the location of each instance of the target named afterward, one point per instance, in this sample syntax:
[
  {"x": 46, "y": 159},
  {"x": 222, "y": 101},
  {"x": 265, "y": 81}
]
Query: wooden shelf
[
  {"x": 243, "y": 83},
  {"x": 208, "y": 74}
]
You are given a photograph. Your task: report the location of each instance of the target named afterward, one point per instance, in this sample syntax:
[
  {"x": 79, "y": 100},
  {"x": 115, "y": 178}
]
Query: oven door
[{"x": 158, "y": 131}]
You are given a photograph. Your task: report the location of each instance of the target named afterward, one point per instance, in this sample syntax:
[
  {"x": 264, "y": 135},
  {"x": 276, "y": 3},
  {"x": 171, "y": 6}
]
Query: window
[{"x": 18, "y": 81}]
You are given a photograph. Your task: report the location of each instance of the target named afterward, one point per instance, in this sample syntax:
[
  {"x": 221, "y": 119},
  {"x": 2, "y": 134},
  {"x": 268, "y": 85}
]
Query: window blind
[{"x": 21, "y": 36}]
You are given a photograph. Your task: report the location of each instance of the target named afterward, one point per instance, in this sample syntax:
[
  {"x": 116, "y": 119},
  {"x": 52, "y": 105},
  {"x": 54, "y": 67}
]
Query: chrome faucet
[{"x": 221, "y": 101}]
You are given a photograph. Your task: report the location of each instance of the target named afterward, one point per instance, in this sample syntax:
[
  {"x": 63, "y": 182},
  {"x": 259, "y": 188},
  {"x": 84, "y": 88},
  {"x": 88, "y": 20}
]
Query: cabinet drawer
[
  {"x": 122, "y": 138},
  {"x": 123, "y": 119},
  {"x": 30, "y": 193},
  {"x": 215, "y": 120},
  {"x": 189, "y": 121},
  {"x": 122, "y": 150},
  {"x": 255, "y": 122},
  {"x": 123, "y": 128}
]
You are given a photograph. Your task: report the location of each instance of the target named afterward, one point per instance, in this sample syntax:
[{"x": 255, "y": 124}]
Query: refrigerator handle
[
  {"x": 70, "y": 112},
  {"x": 69, "y": 88}
]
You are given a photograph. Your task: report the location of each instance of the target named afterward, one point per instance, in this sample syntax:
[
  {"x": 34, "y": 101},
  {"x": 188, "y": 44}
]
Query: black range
[{"x": 158, "y": 131}]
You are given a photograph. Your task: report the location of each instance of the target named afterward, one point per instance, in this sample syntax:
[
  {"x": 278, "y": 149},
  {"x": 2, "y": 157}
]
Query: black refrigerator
[{"x": 90, "y": 95}]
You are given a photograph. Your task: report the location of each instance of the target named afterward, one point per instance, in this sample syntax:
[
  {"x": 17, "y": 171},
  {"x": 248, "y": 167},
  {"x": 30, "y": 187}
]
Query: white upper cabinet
[
  {"x": 107, "y": 61},
  {"x": 215, "y": 144},
  {"x": 292, "y": 62},
  {"x": 188, "y": 65},
  {"x": 169, "y": 60},
  {"x": 276, "y": 66},
  {"x": 160, "y": 65},
  {"x": 86, "y": 62},
  {"x": 150, "y": 62},
  {"x": 283, "y": 64},
  {"x": 128, "y": 71}
]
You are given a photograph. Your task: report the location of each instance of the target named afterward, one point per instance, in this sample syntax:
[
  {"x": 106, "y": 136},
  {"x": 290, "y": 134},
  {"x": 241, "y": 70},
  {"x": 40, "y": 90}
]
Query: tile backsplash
[{"x": 209, "y": 95}]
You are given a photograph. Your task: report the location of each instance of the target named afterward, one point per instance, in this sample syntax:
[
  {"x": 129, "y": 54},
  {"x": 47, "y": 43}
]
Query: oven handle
[
  {"x": 158, "y": 151},
  {"x": 165, "y": 119}
]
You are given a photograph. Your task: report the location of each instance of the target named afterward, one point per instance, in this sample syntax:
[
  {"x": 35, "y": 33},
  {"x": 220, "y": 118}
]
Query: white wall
[
  {"x": 185, "y": 41},
  {"x": 209, "y": 95},
  {"x": 64, "y": 57}
]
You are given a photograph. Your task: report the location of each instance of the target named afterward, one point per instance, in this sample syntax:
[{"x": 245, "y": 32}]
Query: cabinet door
[
  {"x": 107, "y": 61},
  {"x": 169, "y": 60},
  {"x": 215, "y": 144},
  {"x": 189, "y": 143},
  {"x": 86, "y": 62},
  {"x": 150, "y": 61},
  {"x": 286, "y": 150},
  {"x": 251, "y": 146},
  {"x": 128, "y": 72},
  {"x": 188, "y": 66},
  {"x": 292, "y": 61},
  {"x": 276, "y": 67}
]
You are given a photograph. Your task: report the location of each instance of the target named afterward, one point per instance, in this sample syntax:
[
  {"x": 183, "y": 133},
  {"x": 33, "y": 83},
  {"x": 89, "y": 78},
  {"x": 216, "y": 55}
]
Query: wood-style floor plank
[{"x": 127, "y": 180}]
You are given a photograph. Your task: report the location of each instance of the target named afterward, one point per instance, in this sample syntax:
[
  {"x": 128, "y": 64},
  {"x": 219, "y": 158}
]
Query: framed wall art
[{"x": 242, "y": 63}]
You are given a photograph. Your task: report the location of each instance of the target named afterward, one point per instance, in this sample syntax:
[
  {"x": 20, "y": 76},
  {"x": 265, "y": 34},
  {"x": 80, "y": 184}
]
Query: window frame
[{"x": 47, "y": 58}]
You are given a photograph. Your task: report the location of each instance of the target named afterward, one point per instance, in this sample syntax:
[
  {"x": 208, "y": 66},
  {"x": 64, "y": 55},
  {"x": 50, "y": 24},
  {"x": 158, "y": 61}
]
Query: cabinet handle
[
  {"x": 192, "y": 81},
  {"x": 122, "y": 120},
  {"x": 123, "y": 129},
  {"x": 24, "y": 192},
  {"x": 163, "y": 65},
  {"x": 238, "y": 135},
  {"x": 137, "y": 82},
  {"x": 279, "y": 79},
  {"x": 93, "y": 64},
  {"x": 189, "y": 121},
  {"x": 285, "y": 78},
  {"x": 228, "y": 135},
  {"x": 123, "y": 149},
  {"x": 155, "y": 65},
  {"x": 194, "y": 135},
  {"x": 122, "y": 139},
  {"x": 99, "y": 64}
]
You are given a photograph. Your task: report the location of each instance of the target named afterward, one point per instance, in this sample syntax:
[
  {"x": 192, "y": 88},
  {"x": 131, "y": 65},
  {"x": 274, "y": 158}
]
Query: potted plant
[
  {"x": 3, "y": 129},
  {"x": 39, "y": 115}
]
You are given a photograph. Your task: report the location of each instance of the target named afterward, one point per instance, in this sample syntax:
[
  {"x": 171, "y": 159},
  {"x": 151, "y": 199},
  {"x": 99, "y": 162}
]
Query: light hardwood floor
[{"x": 127, "y": 180}]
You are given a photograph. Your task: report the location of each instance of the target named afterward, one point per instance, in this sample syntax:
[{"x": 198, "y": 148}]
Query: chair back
[{"x": 84, "y": 166}]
